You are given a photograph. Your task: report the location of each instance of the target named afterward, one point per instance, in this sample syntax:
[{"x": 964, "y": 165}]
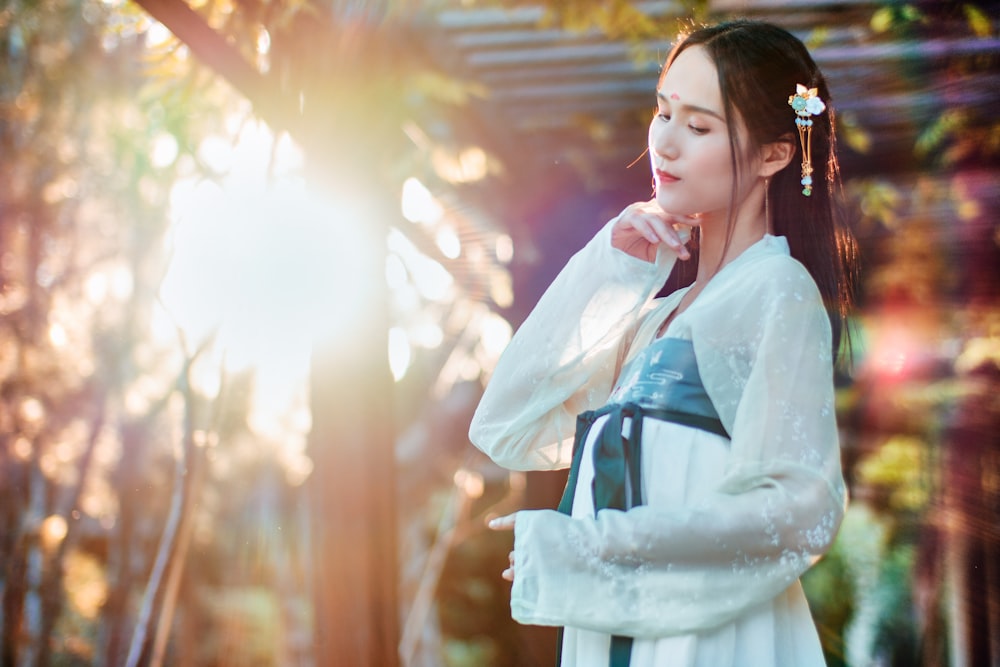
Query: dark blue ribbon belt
[{"x": 617, "y": 457}]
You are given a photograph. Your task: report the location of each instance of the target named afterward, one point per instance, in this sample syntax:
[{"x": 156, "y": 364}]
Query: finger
[
  {"x": 649, "y": 232},
  {"x": 503, "y": 522},
  {"x": 639, "y": 214},
  {"x": 508, "y": 574},
  {"x": 676, "y": 244},
  {"x": 633, "y": 222},
  {"x": 666, "y": 234}
]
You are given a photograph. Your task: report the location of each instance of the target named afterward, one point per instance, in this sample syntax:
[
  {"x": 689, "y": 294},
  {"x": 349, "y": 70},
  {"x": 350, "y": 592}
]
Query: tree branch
[{"x": 216, "y": 53}]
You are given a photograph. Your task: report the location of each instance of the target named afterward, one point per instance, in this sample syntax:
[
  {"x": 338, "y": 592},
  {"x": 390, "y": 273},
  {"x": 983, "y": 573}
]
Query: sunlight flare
[{"x": 418, "y": 204}]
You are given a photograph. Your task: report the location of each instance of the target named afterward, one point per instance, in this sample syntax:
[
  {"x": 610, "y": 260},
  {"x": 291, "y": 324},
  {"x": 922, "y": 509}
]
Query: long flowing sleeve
[
  {"x": 763, "y": 349},
  {"x": 563, "y": 359}
]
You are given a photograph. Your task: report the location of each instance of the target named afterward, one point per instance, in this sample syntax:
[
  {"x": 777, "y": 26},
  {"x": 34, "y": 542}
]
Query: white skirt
[{"x": 678, "y": 462}]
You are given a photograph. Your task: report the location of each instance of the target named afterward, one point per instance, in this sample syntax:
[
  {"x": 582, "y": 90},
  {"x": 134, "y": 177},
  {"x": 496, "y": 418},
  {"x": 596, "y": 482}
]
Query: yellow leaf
[
  {"x": 882, "y": 20},
  {"x": 979, "y": 23},
  {"x": 853, "y": 133}
]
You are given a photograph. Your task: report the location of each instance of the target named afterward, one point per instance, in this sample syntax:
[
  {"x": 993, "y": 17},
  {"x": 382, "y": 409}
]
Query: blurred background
[{"x": 258, "y": 258}]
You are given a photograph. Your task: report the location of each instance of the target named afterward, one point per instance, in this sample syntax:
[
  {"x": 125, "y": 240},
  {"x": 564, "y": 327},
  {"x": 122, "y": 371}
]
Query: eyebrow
[{"x": 692, "y": 107}]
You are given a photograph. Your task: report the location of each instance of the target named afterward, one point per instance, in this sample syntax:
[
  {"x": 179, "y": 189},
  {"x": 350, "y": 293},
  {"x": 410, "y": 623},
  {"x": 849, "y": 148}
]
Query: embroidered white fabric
[{"x": 721, "y": 543}]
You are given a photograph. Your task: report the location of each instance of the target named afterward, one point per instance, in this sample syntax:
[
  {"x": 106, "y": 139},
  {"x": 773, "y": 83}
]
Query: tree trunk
[
  {"x": 53, "y": 592},
  {"x": 186, "y": 471},
  {"x": 13, "y": 565},
  {"x": 334, "y": 110},
  {"x": 352, "y": 486},
  {"x": 29, "y": 652},
  {"x": 973, "y": 501},
  {"x": 121, "y": 545}
]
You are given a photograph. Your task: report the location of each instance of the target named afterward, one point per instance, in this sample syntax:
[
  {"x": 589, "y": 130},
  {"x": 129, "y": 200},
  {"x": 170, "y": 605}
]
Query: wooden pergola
[{"x": 565, "y": 114}]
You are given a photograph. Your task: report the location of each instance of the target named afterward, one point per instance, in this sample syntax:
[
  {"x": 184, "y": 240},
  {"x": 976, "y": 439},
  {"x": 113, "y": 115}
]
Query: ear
[{"x": 776, "y": 155}]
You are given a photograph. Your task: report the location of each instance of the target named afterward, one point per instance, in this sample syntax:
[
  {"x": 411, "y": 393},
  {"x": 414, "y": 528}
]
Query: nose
[{"x": 661, "y": 138}]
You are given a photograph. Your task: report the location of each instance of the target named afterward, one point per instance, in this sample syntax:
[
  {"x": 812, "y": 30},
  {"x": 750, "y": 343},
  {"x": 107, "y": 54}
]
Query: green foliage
[
  {"x": 878, "y": 201},
  {"x": 853, "y": 133},
  {"x": 446, "y": 89},
  {"x": 817, "y": 37},
  {"x": 249, "y": 625},
  {"x": 617, "y": 20},
  {"x": 896, "y": 17},
  {"x": 830, "y": 592},
  {"x": 947, "y": 125},
  {"x": 897, "y": 633},
  {"x": 903, "y": 466},
  {"x": 957, "y": 136}
]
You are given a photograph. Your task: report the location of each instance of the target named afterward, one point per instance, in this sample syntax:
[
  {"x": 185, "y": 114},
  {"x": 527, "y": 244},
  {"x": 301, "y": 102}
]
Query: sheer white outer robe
[{"x": 706, "y": 574}]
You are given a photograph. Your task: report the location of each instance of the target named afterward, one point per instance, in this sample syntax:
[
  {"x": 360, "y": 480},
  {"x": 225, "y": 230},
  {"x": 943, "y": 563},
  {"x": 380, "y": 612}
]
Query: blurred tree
[
  {"x": 92, "y": 409},
  {"x": 335, "y": 63},
  {"x": 931, "y": 294},
  {"x": 56, "y": 382}
]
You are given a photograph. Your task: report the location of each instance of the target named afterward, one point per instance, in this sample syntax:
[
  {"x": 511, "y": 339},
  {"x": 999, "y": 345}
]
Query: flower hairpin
[{"x": 806, "y": 102}]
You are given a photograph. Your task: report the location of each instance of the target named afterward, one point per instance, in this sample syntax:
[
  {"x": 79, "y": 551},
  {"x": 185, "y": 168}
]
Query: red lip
[{"x": 665, "y": 177}]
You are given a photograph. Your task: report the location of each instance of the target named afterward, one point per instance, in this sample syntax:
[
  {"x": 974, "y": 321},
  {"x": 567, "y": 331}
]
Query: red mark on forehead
[{"x": 675, "y": 96}]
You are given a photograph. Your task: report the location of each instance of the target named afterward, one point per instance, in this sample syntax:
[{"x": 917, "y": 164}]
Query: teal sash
[{"x": 662, "y": 383}]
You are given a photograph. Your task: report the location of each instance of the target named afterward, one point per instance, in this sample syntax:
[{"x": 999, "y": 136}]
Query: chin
[{"x": 670, "y": 205}]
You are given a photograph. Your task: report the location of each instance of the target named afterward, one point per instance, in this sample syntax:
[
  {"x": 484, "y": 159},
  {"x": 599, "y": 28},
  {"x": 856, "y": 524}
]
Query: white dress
[{"x": 706, "y": 572}]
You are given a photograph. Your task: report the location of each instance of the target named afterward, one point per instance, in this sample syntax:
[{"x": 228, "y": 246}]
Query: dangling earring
[
  {"x": 767, "y": 207},
  {"x": 767, "y": 193}
]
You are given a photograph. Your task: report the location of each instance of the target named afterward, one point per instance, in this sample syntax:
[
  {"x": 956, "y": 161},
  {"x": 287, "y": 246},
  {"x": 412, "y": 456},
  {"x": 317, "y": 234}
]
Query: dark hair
[{"x": 759, "y": 65}]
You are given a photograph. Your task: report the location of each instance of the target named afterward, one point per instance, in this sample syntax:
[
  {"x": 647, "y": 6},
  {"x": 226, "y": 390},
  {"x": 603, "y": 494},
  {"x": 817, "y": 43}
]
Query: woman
[{"x": 705, "y": 473}]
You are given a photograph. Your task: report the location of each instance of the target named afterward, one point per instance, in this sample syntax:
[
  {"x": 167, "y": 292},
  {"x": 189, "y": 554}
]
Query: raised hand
[{"x": 643, "y": 226}]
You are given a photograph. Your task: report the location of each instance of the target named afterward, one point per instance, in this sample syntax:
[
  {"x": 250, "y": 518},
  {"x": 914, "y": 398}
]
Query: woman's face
[{"x": 689, "y": 140}]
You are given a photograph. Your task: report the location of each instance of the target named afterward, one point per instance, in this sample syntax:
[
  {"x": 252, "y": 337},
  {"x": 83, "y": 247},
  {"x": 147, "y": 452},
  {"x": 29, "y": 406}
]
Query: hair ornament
[{"x": 806, "y": 102}]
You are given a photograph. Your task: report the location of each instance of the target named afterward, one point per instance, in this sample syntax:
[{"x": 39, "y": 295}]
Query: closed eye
[{"x": 696, "y": 129}]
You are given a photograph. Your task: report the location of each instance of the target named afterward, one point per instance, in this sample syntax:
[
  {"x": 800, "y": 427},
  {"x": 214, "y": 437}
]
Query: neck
[{"x": 749, "y": 226}]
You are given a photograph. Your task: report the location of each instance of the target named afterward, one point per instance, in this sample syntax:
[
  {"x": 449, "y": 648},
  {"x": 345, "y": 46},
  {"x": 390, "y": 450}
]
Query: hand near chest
[{"x": 643, "y": 226}]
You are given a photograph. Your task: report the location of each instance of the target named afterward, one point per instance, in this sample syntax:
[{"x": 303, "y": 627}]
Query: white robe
[{"x": 706, "y": 573}]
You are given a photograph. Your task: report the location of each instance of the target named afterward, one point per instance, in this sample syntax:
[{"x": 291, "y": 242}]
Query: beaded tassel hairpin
[{"x": 806, "y": 102}]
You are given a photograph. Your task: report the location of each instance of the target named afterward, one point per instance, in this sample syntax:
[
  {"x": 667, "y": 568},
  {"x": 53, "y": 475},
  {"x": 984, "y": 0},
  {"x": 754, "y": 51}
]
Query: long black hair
[{"x": 759, "y": 65}]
